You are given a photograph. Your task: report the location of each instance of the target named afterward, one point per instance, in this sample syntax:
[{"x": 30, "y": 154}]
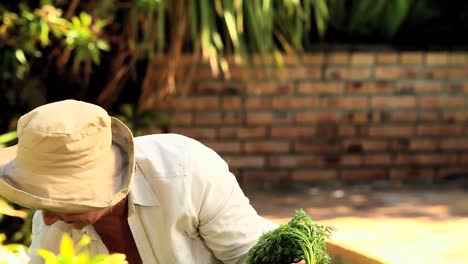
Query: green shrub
[{"x": 69, "y": 253}]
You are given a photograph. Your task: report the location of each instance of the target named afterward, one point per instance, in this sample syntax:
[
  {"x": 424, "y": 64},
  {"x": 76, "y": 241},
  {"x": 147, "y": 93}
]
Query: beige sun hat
[{"x": 71, "y": 157}]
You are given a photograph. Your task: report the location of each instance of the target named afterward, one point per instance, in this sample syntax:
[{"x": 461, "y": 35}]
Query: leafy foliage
[
  {"x": 69, "y": 253},
  {"x": 12, "y": 253},
  {"x": 300, "y": 239},
  {"x": 6, "y": 138},
  {"x": 76, "y": 254}
]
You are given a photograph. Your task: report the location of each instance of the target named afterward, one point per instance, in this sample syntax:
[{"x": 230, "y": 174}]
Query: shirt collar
[{"x": 141, "y": 192}]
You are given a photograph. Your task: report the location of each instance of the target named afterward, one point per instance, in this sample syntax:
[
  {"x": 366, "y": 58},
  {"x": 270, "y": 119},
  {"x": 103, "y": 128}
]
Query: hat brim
[{"x": 121, "y": 136}]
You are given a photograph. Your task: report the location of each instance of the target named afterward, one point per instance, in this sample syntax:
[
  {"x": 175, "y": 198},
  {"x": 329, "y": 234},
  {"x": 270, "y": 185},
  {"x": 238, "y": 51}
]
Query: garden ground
[{"x": 395, "y": 225}]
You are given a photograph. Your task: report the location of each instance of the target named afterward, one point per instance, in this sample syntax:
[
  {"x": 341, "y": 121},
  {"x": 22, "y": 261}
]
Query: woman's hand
[{"x": 300, "y": 262}]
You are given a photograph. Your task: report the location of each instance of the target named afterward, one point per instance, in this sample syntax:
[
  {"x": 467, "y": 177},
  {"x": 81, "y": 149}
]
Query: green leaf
[
  {"x": 84, "y": 241},
  {"x": 67, "y": 249},
  {"x": 86, "y": 19},
  {"x": 44, "y": 36},
  {"x": 7, "y": 137},
  {"x": 103, "y": 45},
  {"x": 48, "y": 256},
  {"x": 95, "y": 55},
  {"x": 19, "y": 54},
  {"x": 76, "y": 22}
]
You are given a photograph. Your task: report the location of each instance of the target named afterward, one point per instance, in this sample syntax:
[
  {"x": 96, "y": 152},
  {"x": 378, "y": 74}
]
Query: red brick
[
  {"x": 318, "y": 117},
  {"x": 259, "y": 118},
  {"x": 180, "y": 103},
  {"x": 266, "y": 147},
  {"x": 386, "y": 58},
  {"x": 441, "y": 102},
  {"x": 201, "y": 73},
  {"x": 262, "y": 88},
  {"x": 293, "y": 132},
  {"x": 235, "y": 118},
  {"x": 293, "y": 161},
  {"x": 344, "y": 102},
  {"x": 369, "y": 87},
  {"x": 362, "y": 58},
  {"x": 263, "y": 73},
  {"x": 263, "y": 118},
  {"x": 378, "y": 159},
  {"x": 404, "y": 174},
  {"x": 411, "y": 58},
  {"x": 224, "y": 146},
  {"x": 316, "y": 147},
  {"x": 391, "y": 131},
  {"x": 419, "y": 87},
  {"x": 347, "y": 131},
  {"x": 459, "y": 72},
  {"x": 376, "y": 145},
  {"x": 197, "y": 133},
  {"x": 242, "y": 132},
  {"x": 283, "y": 161},
  {"x": 436, "y": 72},
  {"x": 426, "y": 159},
  {"x": 314, "y": 175},
  {"x": 252, "y": 103},
  {"x": 438, "y": 58},
  {"x": 368, "y": 145},
  {"x": 294, "y": 102},
  {"x": 335, "y": 73},
  {"x": 454, "y": 144},
  {"x": 351, "y": 160},
  {"x": 181, "y": 118},
  {"x": 252, "y": 132},
  {"x": 320, "y": 87},
  {"x": 393, "y": 102},
  {"x": 388, "y": 73},
  {"x": 313, "y": 59},
  {"x": 286, "y": 87},
  {"x": 288, "y": 59},
  {"x": 338, "y": 58},
  {"x": 357, "y": 117},
  {"x": 262, "y": 176},
  {"x": 240, "y": 73},
  {"x": 403, "y": 117},
  {"x": 267, "y": 60},
  {"x": 464, "y": 159},
  {"x": 300, "y": 73},
  {"x": 423, "y": 144},
  {"x": 245, "y": 161},
  {"x": 458, "y": 117},
  {"x": 457, "y": 58},
  {"x": 209, "y": 88},
  {"x": 363, "y": 174},
  {"x": 205, "y": 103},
  {"x": 208, "y": 118},
  {"x": 439, "y": 130},
  {"x": 232, "y": 103},
  {"x": 429, "y": 116},
  {"x": 446, "y": 172}
]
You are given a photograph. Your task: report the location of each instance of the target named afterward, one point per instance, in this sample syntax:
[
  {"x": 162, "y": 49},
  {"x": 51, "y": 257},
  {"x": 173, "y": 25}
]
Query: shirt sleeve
[{"x": 228, "y": 223}]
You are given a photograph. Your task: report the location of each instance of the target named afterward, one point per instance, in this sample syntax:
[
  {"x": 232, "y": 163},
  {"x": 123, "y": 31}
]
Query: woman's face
[{"x": 76, "y": 220}]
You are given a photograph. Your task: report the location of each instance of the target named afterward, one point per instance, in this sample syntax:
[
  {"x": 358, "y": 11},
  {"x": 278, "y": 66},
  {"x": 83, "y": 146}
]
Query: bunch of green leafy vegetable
[{"x": 300, "y": 239}]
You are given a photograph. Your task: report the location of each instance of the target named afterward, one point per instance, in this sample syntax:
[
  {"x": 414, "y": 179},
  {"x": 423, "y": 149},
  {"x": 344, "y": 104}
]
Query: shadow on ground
[
  {"x": 436, "y": 203},
  {"x": 398, "y": 225}
]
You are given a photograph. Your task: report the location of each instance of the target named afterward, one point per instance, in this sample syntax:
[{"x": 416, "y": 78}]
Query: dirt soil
[{"x": 399, "y": 225}]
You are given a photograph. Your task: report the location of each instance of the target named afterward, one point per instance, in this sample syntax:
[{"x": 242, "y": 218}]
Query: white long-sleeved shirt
[{"x": 184, "y": 207}]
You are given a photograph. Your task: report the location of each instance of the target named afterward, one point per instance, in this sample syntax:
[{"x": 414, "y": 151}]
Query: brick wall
[{"x": 339, "y": 117}]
